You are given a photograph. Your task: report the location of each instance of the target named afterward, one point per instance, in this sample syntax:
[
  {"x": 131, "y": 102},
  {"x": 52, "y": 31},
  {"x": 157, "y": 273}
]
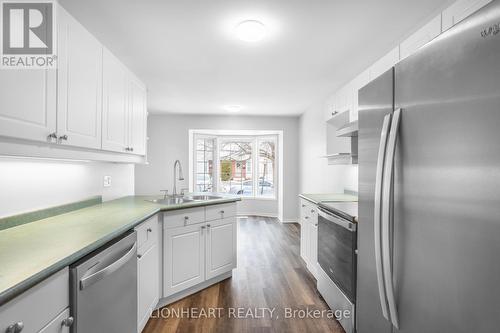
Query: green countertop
[
  {"x": 33, "y": 251},
  {"x": 329, "y": 197}
]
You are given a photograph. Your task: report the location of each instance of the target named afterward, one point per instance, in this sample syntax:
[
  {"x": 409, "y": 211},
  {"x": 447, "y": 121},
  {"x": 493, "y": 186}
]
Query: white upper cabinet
[
  {"x": 424, "y": 35},
  {"x": 330, "y": 107},
  {"x": 460, "y": 10},
  {"x": 79, "y": 93},
  {"x": 28, "y": 103},
  {"x": 138, "y": 117},
  {"x": 115, "y": 127},
  {"x": 91, "y": 100},
  {"x": 359, "y": 82},
  {"x": 384, "y": 63}
]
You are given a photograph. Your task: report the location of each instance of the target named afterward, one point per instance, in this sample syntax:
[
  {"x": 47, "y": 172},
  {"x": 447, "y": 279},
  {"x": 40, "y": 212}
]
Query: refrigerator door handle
[
  {"x": 377, "y": 214},
  {"x": 387, "y": 208}
]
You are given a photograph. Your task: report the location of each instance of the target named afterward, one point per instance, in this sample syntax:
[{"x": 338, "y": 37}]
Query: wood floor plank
[{"x": 270, "y": 274}]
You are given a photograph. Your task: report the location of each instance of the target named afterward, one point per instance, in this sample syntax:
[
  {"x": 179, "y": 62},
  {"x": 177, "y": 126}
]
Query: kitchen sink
[
  {"x": 171, "y": 201},
  {"x": 202, "y": 197}
]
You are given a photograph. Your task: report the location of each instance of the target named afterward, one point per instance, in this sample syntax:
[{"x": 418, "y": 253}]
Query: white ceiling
[{"x": 186, "y": 54}]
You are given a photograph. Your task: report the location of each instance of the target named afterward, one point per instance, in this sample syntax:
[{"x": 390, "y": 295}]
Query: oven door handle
[{"x": 339, "y": 221}]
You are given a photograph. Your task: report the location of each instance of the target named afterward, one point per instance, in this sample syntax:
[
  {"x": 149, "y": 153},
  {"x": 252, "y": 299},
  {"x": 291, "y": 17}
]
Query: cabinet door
[
  {"x": 304, "y": 233},
  {"x": 115, "y": 110},
  {"x": 183, "y": 258},
  {"x": 221, "y": 247},
  {"x": 359, "y": 82},
  {"x": 330, "y": 107},
  {"x": 79, "y": 90},
  {"x": 147, "y": 285},
  {"x": 313, "y": 247},
  {"x": 58, "y": 325},
  {"x": 460, "y": 10},
  {"x": 28, "y": 103},
  {"x": 384, "y": 64},
  {"x": 424, "y": 35},
  {"x": 138, "y": 117}
]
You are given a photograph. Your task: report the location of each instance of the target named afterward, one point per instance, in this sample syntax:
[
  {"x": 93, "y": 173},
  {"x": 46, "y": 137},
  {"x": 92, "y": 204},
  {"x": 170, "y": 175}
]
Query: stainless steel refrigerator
[{"x": 429, "y": 177}]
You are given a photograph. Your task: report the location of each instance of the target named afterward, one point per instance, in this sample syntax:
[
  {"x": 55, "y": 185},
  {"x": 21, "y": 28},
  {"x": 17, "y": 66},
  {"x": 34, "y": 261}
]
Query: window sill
[{"x": 259, "y": 198}]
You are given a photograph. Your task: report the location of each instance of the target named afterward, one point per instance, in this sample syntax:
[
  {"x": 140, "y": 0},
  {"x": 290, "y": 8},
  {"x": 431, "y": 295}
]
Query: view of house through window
[
  {"x": 204, "y": 164},
  {"x": 243, "y": 165}
]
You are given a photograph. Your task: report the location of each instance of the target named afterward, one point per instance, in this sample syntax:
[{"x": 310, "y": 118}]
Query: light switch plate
[{"x": 107, "y": 181}]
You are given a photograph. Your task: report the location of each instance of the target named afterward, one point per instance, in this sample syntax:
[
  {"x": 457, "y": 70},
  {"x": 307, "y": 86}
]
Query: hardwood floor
[{"x": 270, "y": 275}]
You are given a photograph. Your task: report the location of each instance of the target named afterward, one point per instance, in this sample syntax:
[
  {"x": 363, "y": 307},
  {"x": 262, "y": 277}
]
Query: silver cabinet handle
[
  {"x": 203, "y": 227},
  {"x": 208, "y": 225},
  {"x": 15, "y": 328},
  {"x": 93, "y": 278},
  {"x": 377, "y": 215},
  {"x": 68, "y": 322},
  {"x": 52, "y": 136},
  {"x": 306, "y": 217},
  {"x": 222, "y": 212},
  {"x": 303, "y": 205},
  {"x": 139, "y": 256},
  {"x": 131, "y": 148},
  {"x": 387, "y": 207},
  {"x": 334, "y": 113},
  {"x": 63, "y": 138},
  {"x": 149, "y": 230},
  {"x": 313, "y": 211}
]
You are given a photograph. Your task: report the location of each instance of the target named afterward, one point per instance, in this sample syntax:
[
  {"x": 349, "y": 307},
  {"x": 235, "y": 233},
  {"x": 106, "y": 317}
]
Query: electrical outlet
[{"x": 107, "y": 181}]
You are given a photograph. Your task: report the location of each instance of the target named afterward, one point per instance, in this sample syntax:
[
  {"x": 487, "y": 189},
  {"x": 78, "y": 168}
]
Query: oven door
[{"x": 337, "y": 251}]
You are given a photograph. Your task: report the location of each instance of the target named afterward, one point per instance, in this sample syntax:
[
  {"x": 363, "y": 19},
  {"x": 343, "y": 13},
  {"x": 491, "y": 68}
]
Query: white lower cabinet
[
  {"x": 183, "y": 258},
  {"x": 220, "y": 247},
  {"x": 309, "y": 235},
  {"x": 147, "y": 279},
  {"x": 148, "y": 267},
  {"x": 313, "y": 248},
  {"x": 43, "y": 308},
  {"x": 195, "y": 253},
  {"x": 61, "y": 324}
]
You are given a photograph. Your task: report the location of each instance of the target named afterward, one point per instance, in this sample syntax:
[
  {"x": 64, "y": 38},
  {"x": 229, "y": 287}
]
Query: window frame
[{"x": 255, "y": 140}]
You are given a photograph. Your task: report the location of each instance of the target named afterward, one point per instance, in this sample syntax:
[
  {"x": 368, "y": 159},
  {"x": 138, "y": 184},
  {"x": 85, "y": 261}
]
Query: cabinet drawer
[
  {"x": 38, "y": 306},
  {"x": 56, "y": 325},
  {"x": 182, "y": 217},
  {"x": 217, "y": 212},
  {"x": 147, "y": 233}
]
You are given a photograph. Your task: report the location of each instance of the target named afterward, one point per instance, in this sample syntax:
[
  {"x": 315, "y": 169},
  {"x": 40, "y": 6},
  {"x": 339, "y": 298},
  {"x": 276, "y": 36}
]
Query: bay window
[{"x": 238, "y": 165}]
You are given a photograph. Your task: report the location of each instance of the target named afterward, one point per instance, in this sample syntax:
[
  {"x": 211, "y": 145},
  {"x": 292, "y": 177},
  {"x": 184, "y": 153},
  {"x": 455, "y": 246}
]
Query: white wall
[
  {"x": 169, "y": 140},
  {"x": 31, "y": 184},
  {"x": 316, "y": 176}
]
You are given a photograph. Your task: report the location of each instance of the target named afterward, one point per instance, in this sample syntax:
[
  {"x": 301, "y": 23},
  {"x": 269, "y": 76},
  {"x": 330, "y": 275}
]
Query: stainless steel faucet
[{"x": 181, "y": 177}]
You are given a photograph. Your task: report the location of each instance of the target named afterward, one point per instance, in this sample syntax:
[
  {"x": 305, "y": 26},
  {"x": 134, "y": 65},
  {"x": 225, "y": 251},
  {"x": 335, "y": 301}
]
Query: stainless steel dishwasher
[{"x": 104, "y": 289}]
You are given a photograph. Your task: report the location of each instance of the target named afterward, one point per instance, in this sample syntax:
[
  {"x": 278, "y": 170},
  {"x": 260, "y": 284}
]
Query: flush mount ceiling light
[
  {"x": 233, "y": 108},
  {"x": 250, "y": 31}
]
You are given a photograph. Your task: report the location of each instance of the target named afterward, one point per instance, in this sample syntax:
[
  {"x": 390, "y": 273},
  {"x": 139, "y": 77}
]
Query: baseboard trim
[
  {"x": 240, "y": 214},
  {"x": 181, "y": 294}
]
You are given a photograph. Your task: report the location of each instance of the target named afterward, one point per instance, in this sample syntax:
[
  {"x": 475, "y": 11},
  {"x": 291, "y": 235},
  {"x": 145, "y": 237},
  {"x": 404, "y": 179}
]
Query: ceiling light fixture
[
  {"x": 251, "y": 31},
  {"x": 233, "y": 108}
]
